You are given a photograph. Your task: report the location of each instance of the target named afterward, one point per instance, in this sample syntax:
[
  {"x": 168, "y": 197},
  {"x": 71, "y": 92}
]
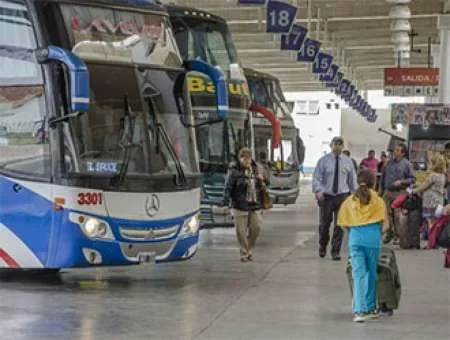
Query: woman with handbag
[{"x": 247, "y": 193}]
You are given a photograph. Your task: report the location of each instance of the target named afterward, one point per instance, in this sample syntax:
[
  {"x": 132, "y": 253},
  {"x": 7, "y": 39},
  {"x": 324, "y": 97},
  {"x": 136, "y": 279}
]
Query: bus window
[{"x": 24, "y": 148}]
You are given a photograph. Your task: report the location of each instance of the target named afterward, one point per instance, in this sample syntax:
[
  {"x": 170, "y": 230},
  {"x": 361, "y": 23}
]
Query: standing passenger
[
  {"x": 243, "y": 189},
  {"x": 396, "y": 177},
  {"x": 334, "y": 179}
]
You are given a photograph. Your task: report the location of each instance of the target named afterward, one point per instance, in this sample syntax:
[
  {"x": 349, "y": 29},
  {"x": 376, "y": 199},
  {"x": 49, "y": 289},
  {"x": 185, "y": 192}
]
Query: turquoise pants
[{"x": 364, "y": 270}]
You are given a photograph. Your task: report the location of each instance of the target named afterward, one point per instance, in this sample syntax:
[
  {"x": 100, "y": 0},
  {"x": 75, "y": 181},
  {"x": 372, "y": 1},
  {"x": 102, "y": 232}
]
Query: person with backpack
[{"x": 364, "y": 214}]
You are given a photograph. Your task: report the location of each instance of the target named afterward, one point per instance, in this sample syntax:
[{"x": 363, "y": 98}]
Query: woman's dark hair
[{"x": 366, "y": 181}]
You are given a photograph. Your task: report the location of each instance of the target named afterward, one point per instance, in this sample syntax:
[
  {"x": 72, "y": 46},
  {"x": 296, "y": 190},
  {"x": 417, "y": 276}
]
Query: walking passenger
[
  {"x": 244, "y": 190},
  {"x": 364, "y": 214},
  {"x": 334, "y": 179},
  {"x": 396, "y": 177}
]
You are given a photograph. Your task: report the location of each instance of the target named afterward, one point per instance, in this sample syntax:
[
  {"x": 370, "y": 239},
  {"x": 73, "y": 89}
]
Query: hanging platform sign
[
  {"x": 330, "y": 76},
  {"x": 295, "y": 39},
  {"x": 309, "y": 50},
  {"x": 337, "y": 80},
  {"x": 280, "y": 17},
  {"x": 322, "y": 63},
  {"x": 411, "y": 81}
]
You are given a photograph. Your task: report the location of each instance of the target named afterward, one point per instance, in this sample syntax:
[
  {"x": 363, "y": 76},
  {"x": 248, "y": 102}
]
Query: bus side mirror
[
  {"x": 79, "y": 75},
  {"x": 219, "y": 81}
]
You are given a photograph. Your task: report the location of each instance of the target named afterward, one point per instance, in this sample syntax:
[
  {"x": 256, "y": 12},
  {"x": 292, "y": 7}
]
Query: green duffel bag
[{"x": 389, "y": 289}]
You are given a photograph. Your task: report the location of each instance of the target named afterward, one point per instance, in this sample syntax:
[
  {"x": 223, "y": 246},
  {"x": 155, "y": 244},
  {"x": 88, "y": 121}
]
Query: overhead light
[
  {"x": 398, "y": 2},
  {"x": 400, "y": 38},
  {"x": 401, "y": 25},
  {"x": 404, "y": 55},
  {"x": 400, "y": 12},
  {"x": 402, "y": 47},
  {"x": 399, "y": 127}
]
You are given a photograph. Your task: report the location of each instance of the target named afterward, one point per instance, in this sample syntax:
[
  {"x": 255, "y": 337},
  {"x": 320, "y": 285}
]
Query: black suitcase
[
  {"x": 408, "y": 228},
  {"x": 389, "y": 289}
]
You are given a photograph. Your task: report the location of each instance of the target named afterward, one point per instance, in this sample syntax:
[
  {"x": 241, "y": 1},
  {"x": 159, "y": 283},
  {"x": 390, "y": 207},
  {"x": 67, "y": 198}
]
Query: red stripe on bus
[{"x": 8, "y": 259}]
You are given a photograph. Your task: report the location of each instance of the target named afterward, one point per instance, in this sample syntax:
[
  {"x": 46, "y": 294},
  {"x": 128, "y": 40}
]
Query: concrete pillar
[
  {"x": 444, "y": 69},
  {"x": 436, "y": 60}
]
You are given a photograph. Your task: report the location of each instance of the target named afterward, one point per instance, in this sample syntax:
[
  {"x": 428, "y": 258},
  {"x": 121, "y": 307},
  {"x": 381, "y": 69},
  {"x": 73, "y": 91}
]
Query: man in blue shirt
[
  {"x": 334, "y": 179},
  {"x": 396, "y": 177}
]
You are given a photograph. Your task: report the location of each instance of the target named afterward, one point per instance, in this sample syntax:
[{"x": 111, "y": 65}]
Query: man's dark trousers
[{"x": 329, "y": 209}]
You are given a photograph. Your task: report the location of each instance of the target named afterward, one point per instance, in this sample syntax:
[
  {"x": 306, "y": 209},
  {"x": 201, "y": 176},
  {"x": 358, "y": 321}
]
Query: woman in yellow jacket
[{"x": 364, "y": 215}]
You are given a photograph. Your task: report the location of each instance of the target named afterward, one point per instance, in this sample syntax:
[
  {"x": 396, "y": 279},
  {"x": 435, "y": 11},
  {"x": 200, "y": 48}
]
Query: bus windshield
[
  {"x": 268, "y": 93},
  {"x": 205, "y": 39},
  {"x": 107, "y": 34},
  {"x": 219, "y": 144},
  {"x": 133, "y": 126}
]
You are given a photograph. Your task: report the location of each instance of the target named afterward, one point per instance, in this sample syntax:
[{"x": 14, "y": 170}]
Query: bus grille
[{"x": 148, "y": 233}]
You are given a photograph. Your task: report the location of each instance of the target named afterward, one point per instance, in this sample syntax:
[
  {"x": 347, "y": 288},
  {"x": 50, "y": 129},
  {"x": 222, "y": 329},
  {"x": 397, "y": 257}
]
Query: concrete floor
[{"x": 287, "y": 293}]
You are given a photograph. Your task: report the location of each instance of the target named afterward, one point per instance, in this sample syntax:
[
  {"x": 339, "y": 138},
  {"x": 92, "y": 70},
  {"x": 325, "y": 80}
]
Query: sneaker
[
  {"x": 244, "y": 259},
  {"x": 250, "y": 257},
  {"x": 359, "y": 317},
  {"x": 373, "y": 315}
]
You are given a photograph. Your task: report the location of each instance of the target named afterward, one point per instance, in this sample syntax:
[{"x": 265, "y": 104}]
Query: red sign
[{"x": 418, "y": 76}]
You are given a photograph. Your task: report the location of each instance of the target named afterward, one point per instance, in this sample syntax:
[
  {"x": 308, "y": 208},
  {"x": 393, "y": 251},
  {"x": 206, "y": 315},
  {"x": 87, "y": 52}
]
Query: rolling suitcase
[
  {"x": 389, "y": 289},
  {"x": 408, "y": 228},
  {"x": 408, "y": 222}
]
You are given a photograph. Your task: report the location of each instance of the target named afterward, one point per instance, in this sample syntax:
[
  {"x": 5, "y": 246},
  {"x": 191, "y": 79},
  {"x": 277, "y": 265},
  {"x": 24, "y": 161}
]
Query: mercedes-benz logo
[{"x": 152, "y": 205}]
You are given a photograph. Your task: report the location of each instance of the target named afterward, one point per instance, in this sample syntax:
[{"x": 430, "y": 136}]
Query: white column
[
  {"x": 436, "y": 57},
  {"x": 444, "y": 70}
]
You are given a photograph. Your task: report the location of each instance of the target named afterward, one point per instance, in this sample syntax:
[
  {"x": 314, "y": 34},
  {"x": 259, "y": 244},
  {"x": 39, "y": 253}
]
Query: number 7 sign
[
  {"x": 294, "y": 40},
  {"x": 280, "y": 17}
]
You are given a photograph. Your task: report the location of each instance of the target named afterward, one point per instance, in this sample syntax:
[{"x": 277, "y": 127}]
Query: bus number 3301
[{"x": 90, "y": 198}]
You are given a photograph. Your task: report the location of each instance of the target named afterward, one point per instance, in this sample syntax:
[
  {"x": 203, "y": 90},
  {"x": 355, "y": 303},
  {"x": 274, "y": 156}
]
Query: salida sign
[{"x": 411, "y": 76}]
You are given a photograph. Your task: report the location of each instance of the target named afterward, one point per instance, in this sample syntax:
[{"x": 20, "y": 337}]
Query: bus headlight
[
  {"x": 92, "y": 227},
  {"x": 191, "y": 225}
]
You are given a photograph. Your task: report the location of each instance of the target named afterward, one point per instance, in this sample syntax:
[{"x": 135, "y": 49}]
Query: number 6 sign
[
  {"x": 280, "y": 17},
  {"x": 309, "y": 50}
]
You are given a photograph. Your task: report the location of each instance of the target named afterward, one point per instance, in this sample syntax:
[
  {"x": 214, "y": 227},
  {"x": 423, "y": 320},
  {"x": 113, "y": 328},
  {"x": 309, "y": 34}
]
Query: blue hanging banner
[
  {"x": 357, "y": 101},
  {"x": 280, "y": 17},
  {"x": 295, "y": 39},
  {"x": 330, "y": 75},
  {"x": 348, "y": 95},
  {"x": 343, "y": 87},
  {"x": 322, "y": 63},
  {"x": 252, "y": 2},
  {"x": 337, "y": 80},
  {"x": 309, "y": 50}
]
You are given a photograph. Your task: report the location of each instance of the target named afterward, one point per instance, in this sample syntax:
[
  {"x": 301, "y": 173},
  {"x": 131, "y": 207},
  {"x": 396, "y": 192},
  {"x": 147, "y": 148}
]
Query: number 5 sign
[
  {"x": 294, "y": 40},
  {"x": 280, "y": 17},
  {"x": 322, "y": 63},
  {"x": 309, "y": 50}
]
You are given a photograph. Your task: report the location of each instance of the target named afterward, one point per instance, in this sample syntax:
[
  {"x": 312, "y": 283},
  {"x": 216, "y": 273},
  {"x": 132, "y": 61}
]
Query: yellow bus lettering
[{"x": 196, "y": 84}]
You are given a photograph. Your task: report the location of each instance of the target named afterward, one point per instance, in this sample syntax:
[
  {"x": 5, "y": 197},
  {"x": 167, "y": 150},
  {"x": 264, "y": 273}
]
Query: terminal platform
[{"x": 288, "y": 292}]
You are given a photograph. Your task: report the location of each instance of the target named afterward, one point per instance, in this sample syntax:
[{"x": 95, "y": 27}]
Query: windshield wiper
[
  {"x": 162, "y": 134},
  {"x": 126, "y": 143}
]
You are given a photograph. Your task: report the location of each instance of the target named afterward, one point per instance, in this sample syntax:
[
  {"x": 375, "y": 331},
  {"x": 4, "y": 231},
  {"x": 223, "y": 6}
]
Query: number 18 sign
[{"x": 280, "y": 17}]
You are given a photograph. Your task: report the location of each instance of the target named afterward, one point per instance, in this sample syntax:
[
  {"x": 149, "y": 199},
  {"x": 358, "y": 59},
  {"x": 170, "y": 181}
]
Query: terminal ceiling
[{"x": 356, "y": 32}]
